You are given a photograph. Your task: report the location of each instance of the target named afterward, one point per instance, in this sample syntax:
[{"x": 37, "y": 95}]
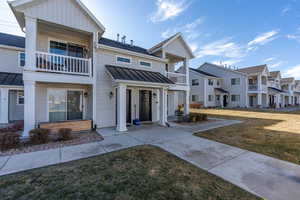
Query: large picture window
[{"x": 67, "y": 49}]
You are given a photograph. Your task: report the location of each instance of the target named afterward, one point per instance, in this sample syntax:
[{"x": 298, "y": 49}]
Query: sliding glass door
[{"x": 65, "y": 105}]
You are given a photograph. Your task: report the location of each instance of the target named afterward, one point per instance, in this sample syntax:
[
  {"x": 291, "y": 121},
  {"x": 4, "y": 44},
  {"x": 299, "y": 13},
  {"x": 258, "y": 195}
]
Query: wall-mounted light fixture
[
  {"x": 111, "y": 95},
  {"x": 85, "y": 94}
]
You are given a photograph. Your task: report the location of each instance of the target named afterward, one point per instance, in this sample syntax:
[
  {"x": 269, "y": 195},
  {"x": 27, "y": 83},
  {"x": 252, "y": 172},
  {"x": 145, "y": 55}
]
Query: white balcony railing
[
  {"x": 177, "y": 78},
  {"x": 49, "y": 62},
  {"x": 253, "y": 87}
]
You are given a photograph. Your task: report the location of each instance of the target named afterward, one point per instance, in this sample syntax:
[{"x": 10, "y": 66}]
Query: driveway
[{"x": 264, "y": 176}]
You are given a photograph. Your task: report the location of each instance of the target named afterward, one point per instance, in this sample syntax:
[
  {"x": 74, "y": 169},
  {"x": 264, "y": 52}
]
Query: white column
[
  {"x": 277, "y": 100},
  {"x": 95, "y": 38},
  {"x": 4, "y": 105},
  {"x": 162, "y": 107},
  {"x": 222, "y": 100},
  {"x": 259, "y": 82},
  {"x": 121, "y": 106},
  {"x": 186, "y": 66},
  {"x": 187, "y": 102},
  {"x": 29, "y": 107},
  {"x": 259, "y": 99},
  {"x": 205, "y": 99},
  {"x": 246, "y": 93},
  {"x": 267, "y": 100},
  {"x": 31, "y": 41}
]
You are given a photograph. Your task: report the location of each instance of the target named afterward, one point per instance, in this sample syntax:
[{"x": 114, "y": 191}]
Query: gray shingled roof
[
  {"x": 204, "y": 73},
  {"x": 12, "y": 40},
  {"x": 254, "y": 69},
  {"x": 129, "y": 74},
  {"x": 120, "y": 45},
  {"x": 274, "y": 74},
  {"x": 11, "y": 79}
]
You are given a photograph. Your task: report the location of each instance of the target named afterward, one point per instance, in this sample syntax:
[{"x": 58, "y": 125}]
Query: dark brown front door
[
  {"x": 128, "y": 106},
  {"x": 145, "y": 105}
]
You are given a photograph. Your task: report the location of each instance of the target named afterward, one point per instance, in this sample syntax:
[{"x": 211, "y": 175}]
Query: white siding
[
  {"x": 16, "y": 112},
  {"x": 9, "y": 61},
  {"x": 177, "y": 48},
  {"x": 64, "y": 12}
]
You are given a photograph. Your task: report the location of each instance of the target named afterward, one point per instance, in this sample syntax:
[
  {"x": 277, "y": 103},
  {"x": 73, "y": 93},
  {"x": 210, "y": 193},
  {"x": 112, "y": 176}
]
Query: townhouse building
[{"x": 65, "y": 70}]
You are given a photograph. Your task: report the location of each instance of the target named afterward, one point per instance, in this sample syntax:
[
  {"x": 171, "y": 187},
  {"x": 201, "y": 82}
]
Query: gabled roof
[
  {"x": 13, "y": 79},
  {"x": 167, "y": 41},
  {"x": 12, "y": 40},
  {"x": 120, "y": 45},
  {"x": 203, "y": 73},
  {"x": 274, "y": 74},
  {"x": 253, "y": 70},
  {"x": 223, "y": 68},
  {"x": 130, "y": 74},
  {"x": 17, "y": 3},
  {"x": 287, "y": 80}
]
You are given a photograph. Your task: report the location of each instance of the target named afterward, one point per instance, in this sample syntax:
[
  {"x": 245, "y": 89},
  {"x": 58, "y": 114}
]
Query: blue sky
[{"x": 237, "y": 32}]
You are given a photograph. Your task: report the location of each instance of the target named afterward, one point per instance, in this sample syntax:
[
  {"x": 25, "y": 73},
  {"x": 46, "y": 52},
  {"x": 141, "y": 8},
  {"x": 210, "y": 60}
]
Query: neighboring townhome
[
  {"x": 297, "y": 92},
  {"x": 257, "y": 85},
  {"x": 275, "y": 93},
  {"x": 72, "y": 74},
  {"x": 218, "y": 86},
  {"x": 288, "y": 85}
]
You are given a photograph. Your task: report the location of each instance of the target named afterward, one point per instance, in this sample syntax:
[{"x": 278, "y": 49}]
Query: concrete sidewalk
[{"x": 264, "y": 176}]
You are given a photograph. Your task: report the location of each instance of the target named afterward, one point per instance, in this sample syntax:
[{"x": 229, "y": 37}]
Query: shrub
[
  {"x": 39, "y": 136},
  {"x": 9, "y": 140},
  {"x": 64, "y": 134},
  {"x": 204, "y": 117}
]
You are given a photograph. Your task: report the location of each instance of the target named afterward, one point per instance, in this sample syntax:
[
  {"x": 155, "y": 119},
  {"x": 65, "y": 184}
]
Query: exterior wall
[
  {"x": 227, "y": 75},
  {"x": 9, "y": 60},
  {"x": 41, "y": 111},
  {"x": 176, "y": 48},
  {"x": 197, "y": 89},
  {"x": 64, "y": 12},
  {"x": 16, "y": 112},
  {"x": 106, "y": 109}
]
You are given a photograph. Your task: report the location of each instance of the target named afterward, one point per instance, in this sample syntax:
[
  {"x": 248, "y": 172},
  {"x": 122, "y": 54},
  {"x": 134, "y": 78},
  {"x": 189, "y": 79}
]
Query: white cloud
[
  {"x": 193, "y": 46},
  {"x": 269, "y": 59},
  {"x": 263, "y": 38},
  {"x": 224, "y": 47},
  {"x": 275, "y": 65},
  {"x": 293, "y": 71},
  {"x": 168, "y": 9},
  {"x": 294, "y": 37},
  {"x": 286, "y": 9}
]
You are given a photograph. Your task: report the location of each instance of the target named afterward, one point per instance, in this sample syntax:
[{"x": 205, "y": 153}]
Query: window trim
[
  {"x": 212, "y": 98},
  {"x": 196, "y": 97},
  {"x": 145, "y": 62},
  {"x": 124, "y": 63},
  {"x": 197, "y": 82},
  {"x": 235, "y": 83},
  {"x": 84, "y": 46},
  {"x": 18, "y": 98},
  {"x": 236, "y": 95},
  {"x": 19, "y": 59},
  {"x": 210, "y": 81}
]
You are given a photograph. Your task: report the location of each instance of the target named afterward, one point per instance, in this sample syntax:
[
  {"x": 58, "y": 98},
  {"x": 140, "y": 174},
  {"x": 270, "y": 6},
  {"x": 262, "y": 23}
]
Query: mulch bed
[{"x": 77, "y": 138}]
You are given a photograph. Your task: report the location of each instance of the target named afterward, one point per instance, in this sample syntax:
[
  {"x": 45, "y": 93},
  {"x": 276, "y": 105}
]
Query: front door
[
  {"x": 145, "y": 105},
  {"x": 225, "y": 100},
  {"x": 128, "y": 106}
]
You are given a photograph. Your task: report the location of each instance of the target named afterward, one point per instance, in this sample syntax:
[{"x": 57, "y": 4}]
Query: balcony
[
  {"x": 177, "y": 78},
  {"x": 48, "y": 62},
  {"x": 253, "y": 87}
]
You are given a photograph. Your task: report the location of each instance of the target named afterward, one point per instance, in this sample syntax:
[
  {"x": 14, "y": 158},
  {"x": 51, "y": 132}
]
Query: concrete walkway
[{"x": 264, "y": 176}]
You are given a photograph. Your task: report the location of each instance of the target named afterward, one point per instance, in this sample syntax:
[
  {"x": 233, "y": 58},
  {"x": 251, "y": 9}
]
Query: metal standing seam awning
[
  {"x": 220, "y": 90},
  {"x": 11, "y": 79},
  {"x": 276, "y": 90},
  {"x": 123, "y": 74}
]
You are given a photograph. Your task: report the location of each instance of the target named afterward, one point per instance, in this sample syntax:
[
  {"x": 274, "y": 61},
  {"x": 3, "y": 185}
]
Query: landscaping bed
[
  {"x": 143, "y": 172},
  {"x": 271, "y": 133}
]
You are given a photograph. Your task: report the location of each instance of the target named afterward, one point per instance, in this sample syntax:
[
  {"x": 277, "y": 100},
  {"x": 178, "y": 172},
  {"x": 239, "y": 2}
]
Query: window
[
  {"x": 235, "y": 81},
  {"x": 195, "y": 82},
  {"x": 67, "y": 49},
  {"x": 218, "y": 82},
  {"x": 210, "y": 82},
  {"x": 218, "y": 97},
  {"x": 210, "y": 97},
  {"x": 20, "y": 98},
  {"x": 145, "y": 64},
  {"x": 123, "y": 59},
  {"x": 21, "y": 59},
  {"x": 235, "y": 98},
  {"x": 194, "y": 97}
]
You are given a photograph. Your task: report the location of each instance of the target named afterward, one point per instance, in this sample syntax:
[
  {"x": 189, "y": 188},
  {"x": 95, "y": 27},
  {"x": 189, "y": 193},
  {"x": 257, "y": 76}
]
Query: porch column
[
  {"x": 187, "y": 102},
  {"x": 222, "y": 100},
  {"x": 259, "y": 99},
  {"x": 29, "y": 107},
  {"x": 163, "y": 106},
  {"x": 205, "y": 93},
  {"x": 267, "y": 100},
  {"x": 4, "y": 105},
  {"x": 277, "y": 100},
  {"x": 31, "y": 41},
  {"x": 259, "y": 82},
  {"x": 121, "y": 106},
  {"x": 186, "y": 66}
]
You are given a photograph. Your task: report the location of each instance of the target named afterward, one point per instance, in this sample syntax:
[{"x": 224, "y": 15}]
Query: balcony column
[
  {"x": 259, "y": 82},
  {"x": 222, "y": 100},
  {"x": 121, "y": 106},
  {"x": 163, "y": 106},
  {"x": 186, "y": 67},
  {"x": 187, "y": 102},
  {"x": 205, "y": 99},
  {"x": 4, "y": 105},
  {"x": 29, "y": 106},
  {"x": 31, "y": 42}
]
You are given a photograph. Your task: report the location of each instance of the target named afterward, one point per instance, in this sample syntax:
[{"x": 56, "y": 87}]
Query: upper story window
[
  {"x": 21, "y": 59},
  {"x": 194, "y": 97},
  {"x": 20, "y": 98},
  {"x": 195, "y": 82},
  {"x": 145, "y": 64},
  {"x": 218, "y": 82},
  {"x": 67, "y": 49},
  {"x": 235, "y": 81},
  {"x": 210, "y": 82},
  {"x": 121, "y": 59}
]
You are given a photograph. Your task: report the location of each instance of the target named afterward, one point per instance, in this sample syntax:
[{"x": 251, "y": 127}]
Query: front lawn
[
  {"x": 143, "y": 172},
  {"x": 271, "y": 133}
]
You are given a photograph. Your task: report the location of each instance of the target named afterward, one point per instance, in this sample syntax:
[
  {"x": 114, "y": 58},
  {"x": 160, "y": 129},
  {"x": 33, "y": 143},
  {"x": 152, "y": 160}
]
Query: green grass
[
  {"x": 271, "y": 133},
  {"x": 143, "y": 172}
]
